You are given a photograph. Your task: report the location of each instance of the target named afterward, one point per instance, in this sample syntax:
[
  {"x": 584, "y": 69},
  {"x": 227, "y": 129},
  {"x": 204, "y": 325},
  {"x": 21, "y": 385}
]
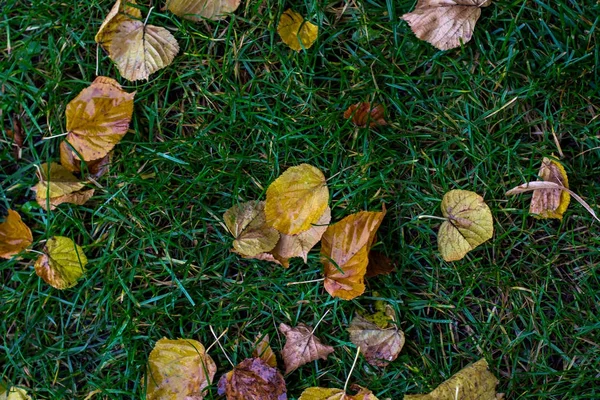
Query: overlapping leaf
[
  {"x": 62, "y": 263},
  {"x": 58, "y": 185},
  {"x": 253, "y": 379},
  {"x": 15, "y": 236},
  {"x": 72, "y": 162},
  {"x": 197, "y": 10},
  {"x": 295, "y": 31},
  {"x": 263, "y": 351},
  {"x": 179, "y": 370},
  {"x": 301, "y": 346},
  {"x": 246, "y": 222}
]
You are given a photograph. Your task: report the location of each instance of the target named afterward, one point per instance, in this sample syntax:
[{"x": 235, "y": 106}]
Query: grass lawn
[{"x": 237, "y": 108}]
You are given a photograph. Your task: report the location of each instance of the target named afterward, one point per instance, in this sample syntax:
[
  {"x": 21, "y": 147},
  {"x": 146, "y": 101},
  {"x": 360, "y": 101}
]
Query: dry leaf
[
  {"x": 62, "y": 264},
  {"x": 15, "y": 236},
  {"x": 379, "y": 345},
  {"x": 551, "y": 203},
  {"x": 474, "y": 382},
  {"x": 58, "y": 185},
  {"x": 264, "y": 352},
  {"x": 246, "y": 222},
  {"x": 197, "y": 10},
  {"x": 319, "y": 393},
  {"x": 345, "y": 249},
  {"x": 363, "y": 114},
  {"x": 253, "y": 379},
  {"x": 297, "y": 199},
  {"x": 119, "y": 13},
  {"x": 72, "y": 162},
  {"x": 301, "y": 346},
  {"x": 179, "y": 370},
  {"x": 17, "y": 135},
  {"x": 445, "y": 23},
  {"x": 98, "y": 118},
  {"x": 379, "y": 264},
  {"x": 468, "y": 224},
  {"x": 299, "y": 245},
  {"x": 14, "y": 393},
  {"x": 295, "y": 31}
]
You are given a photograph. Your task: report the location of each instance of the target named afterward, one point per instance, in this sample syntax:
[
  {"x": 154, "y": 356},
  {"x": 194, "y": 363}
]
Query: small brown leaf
[
  {"x": 253, "y": 379},
  {"x": 363, "y": 114},
  {"x": 72, "y": 162},
  {"x": 379, "y": 264},
  {"x": 380, "y": 346},
  {"x": 263, "y": 351},
  {"x": 15, "y": 236},
  {"x": 301, "y": 346}
]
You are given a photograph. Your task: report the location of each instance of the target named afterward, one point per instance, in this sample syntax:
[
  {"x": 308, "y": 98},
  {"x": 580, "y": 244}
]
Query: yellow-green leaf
[
  {"x": 14, "y": 393},
  {"x": 62, "y": 263},
  {"x": 178, "y": 370},
  {"x": 296, "y": 199},
  {"x": 197, "y": 10},
  {"x": 295, "y": 31},
  {"x": 319, "y": 393},
  {"x": 15, "y": 236},
  {"x": 468, "y": 224},
  {"x": 246, "y": 222}
]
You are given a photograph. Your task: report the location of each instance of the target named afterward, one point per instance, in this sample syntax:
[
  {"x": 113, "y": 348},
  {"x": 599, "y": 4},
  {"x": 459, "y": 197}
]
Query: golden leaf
[
  {"x": 468, "y": 224},
  {"x": 197, "y": 10},
  {"x": 296, "y": 199},
  {"x": 98, "y": 118},
  {"x": 445, "y": 23},
  {"x": 301, "y": 346},
  {"x": 14, "y": 393},
  {"x": 58, "y": 185},
  {"x": 474, "y": 382},
  {"x": 253, "y": 379},
  {"x": 246, "y": 222},
  {"x": 62, "y": 264},
  {"x": 379, "y": 345},
  {"x": 72, "y": 162},
  {"x": 178, "y": 370},
  {"x": 345, "y": 249},
  {"x": 263, "y": 351},
  {"x": 15, "y": 236},
  {"x": 319, "y": 393},
  {"x": 363, "y": 114},
  {"x": 295, "y": 31}
]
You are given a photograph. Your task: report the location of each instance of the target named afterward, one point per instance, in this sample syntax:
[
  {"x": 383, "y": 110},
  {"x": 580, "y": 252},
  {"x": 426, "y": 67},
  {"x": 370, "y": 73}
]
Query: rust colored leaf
[
  {"x": 253, "y": 379},
  {"x": 301, "y": 346},
  {"x": 379, "y": 264},
  {"x": 363, "y": 114},
  {"x": 263, "y": 351},
  {"x": 15, "y": 236},
  {"x": 72, "y": 162}
]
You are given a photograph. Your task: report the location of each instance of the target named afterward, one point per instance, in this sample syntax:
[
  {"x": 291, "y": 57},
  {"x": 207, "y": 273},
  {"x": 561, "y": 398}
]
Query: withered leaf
[
  {"x": 58, "y": 185},
  {"x": 246, "y": 222},
  {"x": 379, "y": 264},
  {"x": 345, "y": 248},
  {"x": 253, "y": 379},
  {"x": 319, "y": 393},
  {"x": 474, "y": 382},
  {"x": 197, "y": 10},
  {"x": 263, "y": 351},
  {"x": 301, "y": 346},
  {"x": 295, "y": 31},
  {"x": 551, "y": 203},
  {"x": 15, "y": 236},
  {"x": 365, "y": 113},
  {"x": 62, "y": 263},
  {"x": 72, "y": 162},
  {"x": 379, "y": 345},
  {"x": 179, "y": 370},
  {"x": 445, "y": 23}
]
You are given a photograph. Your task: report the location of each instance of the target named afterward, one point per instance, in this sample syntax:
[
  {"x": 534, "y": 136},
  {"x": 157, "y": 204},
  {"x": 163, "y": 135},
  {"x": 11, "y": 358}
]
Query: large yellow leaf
[
  {"x": 295, "y": 31},
  {"x": 197, "y": 10},
  {"x": 178, "y": 370},
  {"x": 474, "y": 382},
  {"x": 98, "y": 118},
  {"x": 345, "y": 250},
  {"x": 62, "y": 263},
  {"x": 15, "y": 236},
  {"x": 301, "y": 346},
  {"x": 253, "y": 379},
  {"x": 445, "y": 23},
  {"x": 319, "y": 393},
  {"x": 58, "y": 185},
  {"x": 296, "y": 199},
  {"x": 246, "y": 222},
  {"x": 468, "y": 224}
]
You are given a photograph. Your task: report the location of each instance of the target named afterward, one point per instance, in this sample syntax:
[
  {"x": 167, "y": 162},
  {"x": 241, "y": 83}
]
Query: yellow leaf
[
  {"x": 345, "y": 250},
  {"x": 319, "y": 393},
  {"x": 551, "y": 203},
  {"x": 263, "y": 351},
  {"x": 474, "y": 382},
  {"x": 246, "y": 222},
  {"x": 301, "y": 346},
  {"x": 379, "y": 345},
  {"x": 119, "y": 13},
  {"x": 62, "y": 264},
  {"x": 14, "y": 393},
  {"x": 297, "y": 199},
  {"x": 295, "y": 31},
  {"x": 445, "y": 24},
  {"x": 98, "y": 118},
  {"x": 178, "y": 369},
  {"x": 197, "y": 10},
  {"x": 468, "y": 224},
  {"x": 15, "y": 236},
  {"x": 253, "y": 379},
  {"x": 58, "y": 185},
  {"x": 72, "y": 162}
]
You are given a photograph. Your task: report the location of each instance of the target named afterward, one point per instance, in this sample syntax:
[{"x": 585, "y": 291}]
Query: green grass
[{"x": 234, "y": 110}]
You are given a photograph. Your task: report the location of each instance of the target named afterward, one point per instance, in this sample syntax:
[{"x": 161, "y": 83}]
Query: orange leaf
[
  {"x": 264, "y": 352},
  {"x": 363, "y": 114},
  {"x": 301, "y": 346},
  {"x": 15, "y": 236},
  {"x": 253, "y": 379}
]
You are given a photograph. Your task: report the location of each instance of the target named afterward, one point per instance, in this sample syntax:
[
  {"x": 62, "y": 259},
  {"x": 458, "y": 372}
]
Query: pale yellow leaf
[
  {"x": 62, "y": 263},
  {"x": 14, "y": 393},
  {"x": 319, "y": 393},
  {"x": 197, "y": 10},
  {"x": 120, "y": 12},
  {"x": 295, "y": 31}
]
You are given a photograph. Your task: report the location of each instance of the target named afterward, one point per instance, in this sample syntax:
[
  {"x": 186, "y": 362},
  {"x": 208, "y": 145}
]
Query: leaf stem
[
  {"x": 148, "y": 16},
  {"x": 315, "y": 327},
  {"x": 351, "y": 369},
  {"x": 297, "y": 283},
  {"x": 55, "y": 136},
  {"x": 432, "y": 217}
]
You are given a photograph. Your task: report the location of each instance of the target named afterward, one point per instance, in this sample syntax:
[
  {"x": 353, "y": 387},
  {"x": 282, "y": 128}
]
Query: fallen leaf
[
  {"x": 297, "y": 199},
  {"x": 58, "y": 185},
  {"x": 363, "y": 114},
  {"x": 246, "y": 222},
  {"x": 119, "y": 13},
  {"x": 179, "y": 370},
  {"x": 345, "y": 248},
  {"x": 72, "y": 162},
  {"x": 474, "y": 382},
  {"x": 263, "y": 351},
  {"x": 445, "y": 23},
  {"x": 301, "y": 346},
  {"x": 299, "y": 245},
  {"x": 14, "y": 393},
  {"x": 62, "y": 263},
  {"x": 551, "y": 203},
  {"x": 379, "y": 264},
  {"x": 15, "y": 236},
  {"x": 295, "y": 31},
  {"x": 380, "y": 345},
  {"x": 319, "y": 393},
  {"x": 253, "y": 379},
  {"x": 197, "y": 10},
  {"x": 468, "y": 224},
  {"x": 18, "y": 137},
  {"x": 98, "y": 118}
]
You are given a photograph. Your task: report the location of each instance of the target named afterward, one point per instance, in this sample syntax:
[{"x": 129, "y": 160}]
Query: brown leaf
[
  {"x": 380, "y": 346},
  {"x": 301, "y": 346},
  {"x": 18, "y": 137},
  {"x": 551, "y": 203},
  {"x": 363, "y": 114},
  {"x": 379, "y": 264},
  {"x": 15, "y": 236},
  {"x": 264, "y": 352},
  {"x": 445, "y": 23},
  {"x": 72, "y": 162},
  {"x": 253, "y": 379}
]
